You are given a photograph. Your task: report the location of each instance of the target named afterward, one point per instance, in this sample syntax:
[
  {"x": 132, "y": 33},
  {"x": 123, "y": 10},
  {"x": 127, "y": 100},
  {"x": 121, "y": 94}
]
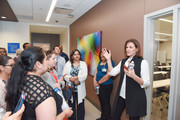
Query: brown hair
[
  {"x": 49, "y": 54},
  {"x": 136, "y": 44},
  {"x": 61, "y": 48}
]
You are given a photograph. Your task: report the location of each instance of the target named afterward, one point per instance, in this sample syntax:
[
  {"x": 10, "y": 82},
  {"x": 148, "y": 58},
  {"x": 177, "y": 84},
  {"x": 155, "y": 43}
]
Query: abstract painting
[{"x": 90, "y": 47}]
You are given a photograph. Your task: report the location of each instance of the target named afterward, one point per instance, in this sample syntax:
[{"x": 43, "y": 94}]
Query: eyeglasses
[
  {"x": 10, "y": 65},
  {"x": 2, "y": 51}
]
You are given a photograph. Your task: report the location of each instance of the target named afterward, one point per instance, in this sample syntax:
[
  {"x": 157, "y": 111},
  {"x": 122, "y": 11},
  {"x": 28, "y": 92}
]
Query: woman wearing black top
[
  {"x": 41, "y": 101},
  {"x": 134, "y": 77}
]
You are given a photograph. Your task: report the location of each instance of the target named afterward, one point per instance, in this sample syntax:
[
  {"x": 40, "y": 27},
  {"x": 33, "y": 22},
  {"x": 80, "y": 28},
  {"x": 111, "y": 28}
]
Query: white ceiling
[
  {"x": 36, "y": 11},
  {"x": 163, "y": 29}
]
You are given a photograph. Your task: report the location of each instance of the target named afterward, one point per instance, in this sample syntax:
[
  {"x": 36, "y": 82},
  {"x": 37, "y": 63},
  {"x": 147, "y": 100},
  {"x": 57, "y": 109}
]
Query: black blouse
[{"x": 36, "y": 91}]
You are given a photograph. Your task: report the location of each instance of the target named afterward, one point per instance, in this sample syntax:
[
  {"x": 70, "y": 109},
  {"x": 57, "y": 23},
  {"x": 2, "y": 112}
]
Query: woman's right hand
[
  {"x": 96, "y": 84},
  {"x": 57, "y": 85},
  {"x": 106, "y": 54},
  {"x": 15, "y": 116},
  {"x": 68, "y": 112}
]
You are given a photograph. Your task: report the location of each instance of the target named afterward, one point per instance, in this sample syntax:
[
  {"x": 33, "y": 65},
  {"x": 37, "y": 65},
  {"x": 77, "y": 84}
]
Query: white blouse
[
  {"x": 144, "y": 75},
  {"x": 82, "y": 76}
]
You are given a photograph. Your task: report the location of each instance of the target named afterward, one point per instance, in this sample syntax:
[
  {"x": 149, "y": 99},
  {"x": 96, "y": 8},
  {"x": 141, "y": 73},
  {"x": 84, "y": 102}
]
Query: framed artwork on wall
[{"x": 90, "y": 47}]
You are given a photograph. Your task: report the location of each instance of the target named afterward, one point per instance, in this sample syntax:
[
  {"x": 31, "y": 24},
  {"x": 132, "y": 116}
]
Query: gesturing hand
[{"x": 106, "y": 54}]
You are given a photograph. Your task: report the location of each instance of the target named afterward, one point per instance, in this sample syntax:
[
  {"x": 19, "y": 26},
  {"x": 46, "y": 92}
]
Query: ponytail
[
  {"x": 17, "y": 79},
  {"x": 15, "y": 84}
]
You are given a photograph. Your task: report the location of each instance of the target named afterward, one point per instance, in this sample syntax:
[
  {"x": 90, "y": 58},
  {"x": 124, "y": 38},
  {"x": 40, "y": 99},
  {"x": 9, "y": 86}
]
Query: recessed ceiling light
[
  {"x": 51, "y": 10},
  {"x": 163, "y": 34},
  {"x": 3, "y": 17},
  {"x": 158, "y": 39}
]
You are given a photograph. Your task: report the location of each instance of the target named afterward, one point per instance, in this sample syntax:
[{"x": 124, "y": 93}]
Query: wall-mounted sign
[{"x": 12, "y": 47}]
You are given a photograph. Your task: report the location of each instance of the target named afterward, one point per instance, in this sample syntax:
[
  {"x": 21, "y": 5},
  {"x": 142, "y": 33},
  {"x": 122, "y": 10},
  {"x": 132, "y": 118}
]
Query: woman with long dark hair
[
  {"x": 134, "y": 77},
  {"x": 6, "y": 64},
  {"x": 41, "y": 101},
  {"x": 75, "y": 72}
]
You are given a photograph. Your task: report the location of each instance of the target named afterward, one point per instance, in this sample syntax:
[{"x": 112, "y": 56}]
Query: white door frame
[{"x": 148, "y": 51}]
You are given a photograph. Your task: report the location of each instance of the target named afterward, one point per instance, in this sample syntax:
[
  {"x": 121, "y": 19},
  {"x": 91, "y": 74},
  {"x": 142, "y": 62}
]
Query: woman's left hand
[{"x": 129, "y": 72}]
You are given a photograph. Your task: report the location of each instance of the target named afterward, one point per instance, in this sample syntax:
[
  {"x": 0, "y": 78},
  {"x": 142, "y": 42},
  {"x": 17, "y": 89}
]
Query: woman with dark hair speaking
[
  {"x": 41, "y": 101},
  {"x": 75, "y": 72},
  {"x": 134, "y": 77}
]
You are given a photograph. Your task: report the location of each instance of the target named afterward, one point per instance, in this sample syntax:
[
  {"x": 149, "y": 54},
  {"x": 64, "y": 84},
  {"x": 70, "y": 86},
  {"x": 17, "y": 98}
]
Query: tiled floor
[{"x": 91, "y": 112}]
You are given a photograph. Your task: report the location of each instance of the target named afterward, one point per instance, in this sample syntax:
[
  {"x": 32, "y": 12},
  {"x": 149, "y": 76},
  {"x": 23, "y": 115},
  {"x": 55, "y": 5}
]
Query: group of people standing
[{"x": 37, "y": 73}]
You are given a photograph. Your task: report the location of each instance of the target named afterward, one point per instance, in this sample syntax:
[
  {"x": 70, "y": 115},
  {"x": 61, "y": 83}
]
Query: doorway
[
  {"x": 161, "y": 66},
  {"x": 161, "y": 49}
]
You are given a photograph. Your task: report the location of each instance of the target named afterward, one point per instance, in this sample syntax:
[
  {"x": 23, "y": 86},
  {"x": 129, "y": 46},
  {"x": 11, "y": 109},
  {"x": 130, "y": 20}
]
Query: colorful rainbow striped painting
[{"x": 90, "y": 47}]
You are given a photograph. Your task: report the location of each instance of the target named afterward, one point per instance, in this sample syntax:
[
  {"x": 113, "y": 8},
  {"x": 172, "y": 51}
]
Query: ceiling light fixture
[
  {"x": 166, "y": 20},
  {"x": 163, "y": 34},
  {"x": 158, "y": 39},
  {"x": 3, "y": 17},
  {"x": 51, "y": 10}
]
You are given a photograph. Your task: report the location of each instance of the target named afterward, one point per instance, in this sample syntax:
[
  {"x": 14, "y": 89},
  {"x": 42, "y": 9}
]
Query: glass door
[
  {"x": 163, "y": 26},
  {"x": 161, "y": 49}
]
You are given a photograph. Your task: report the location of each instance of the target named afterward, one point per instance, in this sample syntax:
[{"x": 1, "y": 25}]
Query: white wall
[
  {"x": 18, "y": 32},
  {"x": 13, "y": 32},
  {"x": 167, "y": 46},
  {"x": 64, "y": 41}
]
